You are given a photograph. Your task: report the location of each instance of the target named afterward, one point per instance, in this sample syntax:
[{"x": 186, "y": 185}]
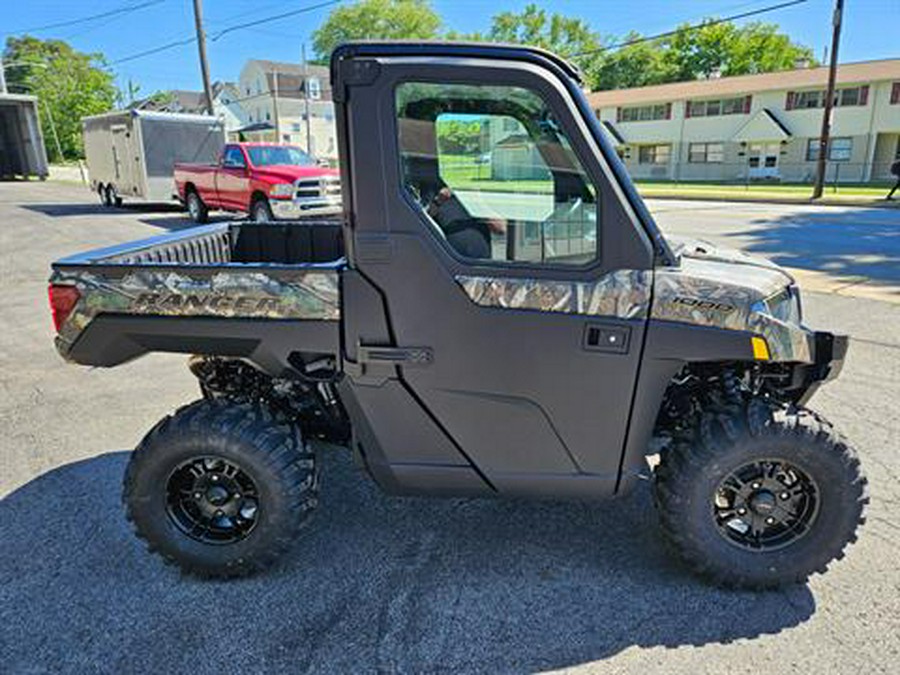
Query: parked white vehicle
[{"x": 132, "y": 153}]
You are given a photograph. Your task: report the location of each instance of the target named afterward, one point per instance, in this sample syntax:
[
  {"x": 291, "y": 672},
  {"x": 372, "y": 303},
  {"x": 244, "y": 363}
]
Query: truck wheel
[
  {"x": 760, "y": 496},
  {"x": 221, "y": 489},
  {"x": 196, "y": 208},
  {"x": 103, "y": 193},
  {"x": 261, "y": 212}
]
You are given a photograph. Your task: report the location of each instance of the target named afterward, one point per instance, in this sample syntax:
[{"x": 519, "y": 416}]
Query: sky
[{"x": 870, "y": 28}]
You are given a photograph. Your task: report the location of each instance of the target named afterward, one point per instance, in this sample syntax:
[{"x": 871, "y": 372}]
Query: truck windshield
[{"x": 269, "y": 155}]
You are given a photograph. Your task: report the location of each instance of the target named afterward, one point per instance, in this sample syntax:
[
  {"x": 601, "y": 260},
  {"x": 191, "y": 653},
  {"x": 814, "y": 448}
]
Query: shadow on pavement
[
  {"x": 864, "y": 242},
  {"x": 90, "y": 209},
  {"x": 405, "y": 585}
]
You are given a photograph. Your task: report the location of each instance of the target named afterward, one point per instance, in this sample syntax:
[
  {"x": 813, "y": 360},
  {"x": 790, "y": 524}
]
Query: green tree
[
  {"x": 691, "y": 53},
  {"x": 567, "y": 36},
  {"x": 376, "y": 19},
  {"x": 458, "y": 137},
  {"x": 69, "y": 85}
]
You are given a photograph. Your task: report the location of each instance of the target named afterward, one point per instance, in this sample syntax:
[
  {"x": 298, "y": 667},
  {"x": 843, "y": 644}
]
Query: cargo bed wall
[{"x": 222, "y": 289}]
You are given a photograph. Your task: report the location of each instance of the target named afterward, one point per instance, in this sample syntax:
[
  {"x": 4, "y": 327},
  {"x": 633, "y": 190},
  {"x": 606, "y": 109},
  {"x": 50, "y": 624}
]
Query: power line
[
  {"x": 276, "y": 17},
  {"x": 224, "y": 31},
  {"x": 704, "y": 24},
  {"x": 93, "y": 17},
  {"x": 155, "y": 50}
]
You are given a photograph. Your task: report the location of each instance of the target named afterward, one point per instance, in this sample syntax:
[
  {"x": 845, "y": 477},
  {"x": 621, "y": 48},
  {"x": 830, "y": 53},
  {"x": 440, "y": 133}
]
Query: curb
[{"x": 825, "y": 201}]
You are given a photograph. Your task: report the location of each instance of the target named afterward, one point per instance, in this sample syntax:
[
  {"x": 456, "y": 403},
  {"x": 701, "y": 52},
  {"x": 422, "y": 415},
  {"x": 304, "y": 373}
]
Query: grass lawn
[{"x": 464, "y": 173}]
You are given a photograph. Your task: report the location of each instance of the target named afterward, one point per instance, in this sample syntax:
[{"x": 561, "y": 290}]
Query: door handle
[
  {"x": 607, "y": 338},
  {"x": 401, "y": 356}
]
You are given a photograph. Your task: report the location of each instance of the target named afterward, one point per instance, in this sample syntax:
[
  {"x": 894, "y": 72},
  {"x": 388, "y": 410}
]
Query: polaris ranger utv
[{"x": 492, "y": 316}]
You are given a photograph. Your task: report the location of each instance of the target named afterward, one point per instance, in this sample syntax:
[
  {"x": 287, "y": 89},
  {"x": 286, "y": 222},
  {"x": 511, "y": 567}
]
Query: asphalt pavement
[{"x": 401, "y": 584}]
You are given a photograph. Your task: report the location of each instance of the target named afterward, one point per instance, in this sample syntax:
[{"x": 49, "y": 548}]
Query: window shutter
[
  {"x": 895, "y": 93},
  {"x": 668, "y": 111},
  {"x": 747, "y": 101},
  {"x": 687, "y": 108},
  {"x": 618, "y": 114},
  {"x": 864, "y": 94}
]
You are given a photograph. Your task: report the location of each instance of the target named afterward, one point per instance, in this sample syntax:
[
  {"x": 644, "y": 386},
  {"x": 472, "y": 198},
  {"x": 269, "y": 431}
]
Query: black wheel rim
[
  {"x": 212, "y": 500},
  {"x": 765, "y": 505}
]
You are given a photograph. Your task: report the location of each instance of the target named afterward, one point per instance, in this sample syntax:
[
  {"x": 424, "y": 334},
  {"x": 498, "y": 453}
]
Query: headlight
[
  {"x": 784, "y": 305},
  {"x": 282, "y": 190}
]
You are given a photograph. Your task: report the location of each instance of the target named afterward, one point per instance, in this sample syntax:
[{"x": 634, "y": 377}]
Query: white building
[
  {"x": 275, "y": 97},
  {"x": 758, "y": 127}
]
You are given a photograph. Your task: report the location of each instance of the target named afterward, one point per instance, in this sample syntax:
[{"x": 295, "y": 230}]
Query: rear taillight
[{"x": 62, "y": 301}]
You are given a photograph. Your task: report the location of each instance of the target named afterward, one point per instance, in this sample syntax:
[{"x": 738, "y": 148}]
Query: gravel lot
[{"x": 390, "y": 584}]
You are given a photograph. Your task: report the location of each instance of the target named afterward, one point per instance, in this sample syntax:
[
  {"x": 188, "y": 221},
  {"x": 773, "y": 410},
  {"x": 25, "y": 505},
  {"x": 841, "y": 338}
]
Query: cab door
[
  {"x": 232, "y": 179},
  {"x": 513, "y": 278}
]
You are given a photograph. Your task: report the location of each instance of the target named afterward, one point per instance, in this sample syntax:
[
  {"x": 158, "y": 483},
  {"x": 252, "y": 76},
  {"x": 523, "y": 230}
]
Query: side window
[
  {"x": 233, "y": 157},
  {"x": 495, "y": 174}
]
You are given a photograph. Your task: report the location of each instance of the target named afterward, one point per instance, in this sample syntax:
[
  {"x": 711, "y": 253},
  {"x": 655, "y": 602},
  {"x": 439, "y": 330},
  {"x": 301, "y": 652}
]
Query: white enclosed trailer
[
  {"x": 131, "y": 153},
  {"x": 22, "y": 152}
]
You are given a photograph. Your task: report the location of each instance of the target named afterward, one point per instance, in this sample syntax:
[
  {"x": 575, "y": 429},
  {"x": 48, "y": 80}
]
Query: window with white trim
[
  {"x": 840, "y": 149},
  {"x": 314, "y": 88},
  {"x": 644, "y": 113},
  {"x": 654, "y": 154},
  {"x": 716, "y": 107},
  {"x": 706, "y": 153}
]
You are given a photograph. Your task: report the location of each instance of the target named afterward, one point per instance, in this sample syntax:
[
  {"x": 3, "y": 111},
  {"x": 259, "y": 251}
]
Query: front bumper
[
  {"x": 291, "y": 209},
  {"x": 828, "y": 352}
]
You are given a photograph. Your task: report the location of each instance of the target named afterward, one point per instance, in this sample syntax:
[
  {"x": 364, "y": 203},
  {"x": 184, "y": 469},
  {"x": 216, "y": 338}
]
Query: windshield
[{"x": 269, "y": 155}]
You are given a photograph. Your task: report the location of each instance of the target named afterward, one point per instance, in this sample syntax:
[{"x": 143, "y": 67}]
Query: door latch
[{"x": 614, "y": 339}]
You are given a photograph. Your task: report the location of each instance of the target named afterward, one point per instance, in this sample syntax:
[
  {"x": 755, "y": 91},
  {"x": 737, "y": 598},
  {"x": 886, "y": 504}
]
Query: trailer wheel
[
  {"x": 197, "y": 210},
  {"x": 114, "y": 198},
  {"x": 103, "y": 193},
  {"x": 761, "y": 495},
  {"x": 221, "y": 489}
]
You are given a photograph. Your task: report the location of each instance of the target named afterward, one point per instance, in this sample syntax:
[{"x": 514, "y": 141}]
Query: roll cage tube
[{"x": 564, "y": 71}]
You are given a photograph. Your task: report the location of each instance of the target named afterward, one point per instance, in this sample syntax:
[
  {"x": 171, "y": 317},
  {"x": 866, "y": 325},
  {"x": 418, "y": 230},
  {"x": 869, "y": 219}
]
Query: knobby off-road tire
[
  {"x": 760, "y": 433},
  {"x": 215, "y": 450}
]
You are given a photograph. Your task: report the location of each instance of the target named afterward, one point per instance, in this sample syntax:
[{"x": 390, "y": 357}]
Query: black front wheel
[
  {"x": 760, "y": 495},
  {"x": 261, "y": 212},
  {"x": 221, "y": 489}
]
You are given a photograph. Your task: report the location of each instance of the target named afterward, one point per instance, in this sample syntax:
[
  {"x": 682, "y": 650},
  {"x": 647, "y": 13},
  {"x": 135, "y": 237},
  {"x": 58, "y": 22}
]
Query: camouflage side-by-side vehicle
[{"x": 492, "y": 316}]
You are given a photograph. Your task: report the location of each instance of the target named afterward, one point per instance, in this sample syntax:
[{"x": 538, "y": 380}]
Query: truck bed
[{"x": 231, "y": 289}]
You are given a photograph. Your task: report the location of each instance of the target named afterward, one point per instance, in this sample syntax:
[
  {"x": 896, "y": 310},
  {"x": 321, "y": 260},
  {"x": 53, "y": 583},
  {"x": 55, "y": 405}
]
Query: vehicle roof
[{"x": 455, "y": 48}]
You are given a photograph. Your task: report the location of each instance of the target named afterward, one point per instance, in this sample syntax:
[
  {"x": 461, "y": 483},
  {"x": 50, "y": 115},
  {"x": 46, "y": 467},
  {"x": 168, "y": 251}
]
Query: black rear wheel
[
  {"x": 197, "y": 210},
  {"x": 760, "y": 495},
  {"x": 221, "y": 489}
]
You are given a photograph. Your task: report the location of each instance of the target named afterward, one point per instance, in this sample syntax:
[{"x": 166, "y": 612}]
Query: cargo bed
[{"x": 208, "y": 290}]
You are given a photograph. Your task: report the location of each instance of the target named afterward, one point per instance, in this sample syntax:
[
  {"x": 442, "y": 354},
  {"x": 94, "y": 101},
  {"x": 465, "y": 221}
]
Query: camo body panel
[
  {"x": 304, "y": 294},
  {"x": 741, "y": 289},
  {"x": 624, "y": 294}
]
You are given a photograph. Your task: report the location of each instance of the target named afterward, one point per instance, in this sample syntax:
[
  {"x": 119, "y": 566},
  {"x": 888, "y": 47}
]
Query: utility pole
[
  {"x": 2, "y": 77},
  {"x": 306, "y": 100},
  {"x": 829, "y": 100},
  {"x": 201, "y": 45},
  {"x": 275, "y": 104}
]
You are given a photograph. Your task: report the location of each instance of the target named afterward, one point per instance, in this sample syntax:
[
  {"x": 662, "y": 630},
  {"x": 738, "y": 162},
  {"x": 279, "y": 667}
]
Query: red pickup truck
[{"x": 265, "y": 180}]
